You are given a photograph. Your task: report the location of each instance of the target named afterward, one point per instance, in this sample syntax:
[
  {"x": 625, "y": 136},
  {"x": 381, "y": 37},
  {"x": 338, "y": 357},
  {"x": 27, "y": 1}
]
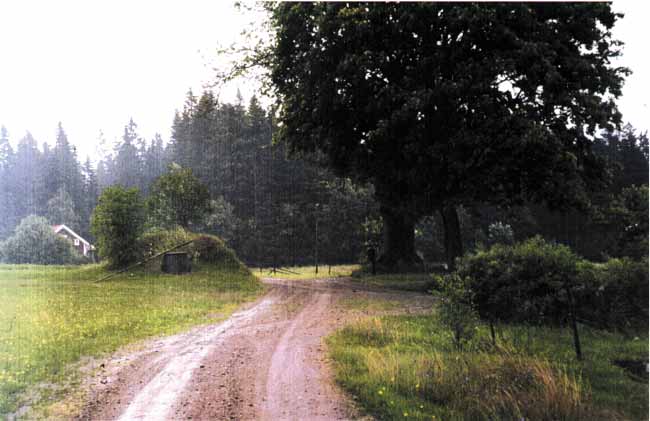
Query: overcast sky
[{"x": 93, "y": 65}]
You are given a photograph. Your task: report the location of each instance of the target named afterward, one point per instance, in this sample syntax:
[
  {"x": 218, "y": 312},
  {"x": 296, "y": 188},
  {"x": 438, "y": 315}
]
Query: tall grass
[{"x": 406, "y": 367}]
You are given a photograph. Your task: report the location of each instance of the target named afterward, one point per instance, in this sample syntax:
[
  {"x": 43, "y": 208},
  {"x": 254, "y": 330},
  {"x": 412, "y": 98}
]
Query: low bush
[
  {"x": 528, "y": 282},
  {"x": 614, "y": 294}
]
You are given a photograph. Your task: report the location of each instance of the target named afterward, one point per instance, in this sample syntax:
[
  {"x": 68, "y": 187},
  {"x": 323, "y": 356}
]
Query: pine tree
[
  {"x": 63, "y": 170},
  {"x": 91, "y": 194},
  {"x": 27, "y": 179},
  {"x": 7, "y": 212},
  {"x": 61, "y": 210},
  {"x": 127, "y": 160}
]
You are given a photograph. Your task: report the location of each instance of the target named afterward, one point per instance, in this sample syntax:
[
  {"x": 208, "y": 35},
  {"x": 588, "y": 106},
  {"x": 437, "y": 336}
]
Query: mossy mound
[{"x": 204, "y": 249}]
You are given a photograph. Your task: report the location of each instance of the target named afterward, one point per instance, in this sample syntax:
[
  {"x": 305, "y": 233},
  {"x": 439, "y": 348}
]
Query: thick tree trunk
[
  {"x": 398, "y": 251},
  {"x": 453, "y": 240}
]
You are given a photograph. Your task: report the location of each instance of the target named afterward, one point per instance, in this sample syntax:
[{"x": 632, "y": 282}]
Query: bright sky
[{"x": 93, "y": 65}]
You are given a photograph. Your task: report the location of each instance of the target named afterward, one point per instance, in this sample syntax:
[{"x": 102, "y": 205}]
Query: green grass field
[
  {"x": 406, "y": 367},
  {"x": 50, "y": 317}
]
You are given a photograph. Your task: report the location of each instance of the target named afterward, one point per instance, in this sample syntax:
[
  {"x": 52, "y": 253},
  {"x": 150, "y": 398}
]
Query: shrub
[
  {"x": 456, "y": 310},
  {"x": 527, "y": 282},
  {"x": 35, "y": 242},
  {"x": 500, "y": 233},
  {"x": 615, "y": 294},
  {"x": 116, "y": 223}
]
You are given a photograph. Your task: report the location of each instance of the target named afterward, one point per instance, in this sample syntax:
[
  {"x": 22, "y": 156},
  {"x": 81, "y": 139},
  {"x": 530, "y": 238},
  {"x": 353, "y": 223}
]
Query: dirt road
[{"x": 266, "y": 362}]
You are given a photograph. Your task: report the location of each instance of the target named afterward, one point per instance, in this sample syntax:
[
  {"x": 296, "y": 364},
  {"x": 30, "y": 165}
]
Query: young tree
[
  {"x": 438, "y": 105},
  {"x": 178, "y": 198},
  {"x": 116, "y": 223}
]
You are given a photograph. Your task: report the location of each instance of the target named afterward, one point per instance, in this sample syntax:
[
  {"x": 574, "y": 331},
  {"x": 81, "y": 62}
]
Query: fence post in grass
[
  {"x": 574, "y": 323},
  {"x": 494, "y": 338}
]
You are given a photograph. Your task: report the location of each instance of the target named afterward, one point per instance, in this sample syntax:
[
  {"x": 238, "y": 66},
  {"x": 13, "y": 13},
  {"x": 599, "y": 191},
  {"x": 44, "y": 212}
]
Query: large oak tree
[{"x": 444, "y": 104}]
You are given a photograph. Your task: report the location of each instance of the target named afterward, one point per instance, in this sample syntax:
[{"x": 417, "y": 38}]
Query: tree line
[
  {"x": 277, "y": 209},
  {"x": 272, "y": 209}
]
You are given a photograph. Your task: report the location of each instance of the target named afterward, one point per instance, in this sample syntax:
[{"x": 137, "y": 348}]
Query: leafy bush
[
  {"x": 116, "y": 223},
  {"x": 615, "y": 294},
  {"x": 456, "y": 310},
  {"x": 500, "y": 233},
  {"x": 527, "y": 282},
  {"x": 35, "y": 242},
  {"x": 627, "y": 215}
]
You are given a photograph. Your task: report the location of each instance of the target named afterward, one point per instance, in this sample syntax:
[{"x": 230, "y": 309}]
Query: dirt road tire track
[{"x": 266, "y": 362}]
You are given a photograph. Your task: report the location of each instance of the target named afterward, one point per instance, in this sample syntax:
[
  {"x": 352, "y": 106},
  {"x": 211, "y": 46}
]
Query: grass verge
[
  {"x": 414, "y": 282},
  {"x": 406, "y": 367},
  {"x": 51, "y": 317}
]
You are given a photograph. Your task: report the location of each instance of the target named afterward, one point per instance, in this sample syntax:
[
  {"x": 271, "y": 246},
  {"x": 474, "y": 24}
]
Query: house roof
[{"x": 59, "y": 228}]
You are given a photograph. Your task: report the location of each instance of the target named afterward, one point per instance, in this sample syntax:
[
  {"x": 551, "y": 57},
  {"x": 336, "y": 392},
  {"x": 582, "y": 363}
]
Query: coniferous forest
[{"x": 278, "y": 208}]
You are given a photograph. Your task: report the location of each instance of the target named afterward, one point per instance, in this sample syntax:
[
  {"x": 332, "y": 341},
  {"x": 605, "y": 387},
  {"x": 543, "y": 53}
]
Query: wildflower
[
  {"x": 406, "y": 414},
  {"x": 381, "y": 392}
]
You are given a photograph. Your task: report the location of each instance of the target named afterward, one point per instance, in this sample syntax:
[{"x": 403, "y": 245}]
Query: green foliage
[
  {"x": 178, "y": 198},
  {"x": 35, "y": 242},
  {"x": 615, "y": 294},
  {"x": 526, "y": 282},
  {"x": 535, "y": 282},
  {"x": 221, "y": 219},
  {"x": 116, "y": 223},
  {"x": 628, "y": 213},
  {"x": 456, "y": 309},
  {"x": 500, "y": 233},
  {"x": 437, "y": 105}
]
